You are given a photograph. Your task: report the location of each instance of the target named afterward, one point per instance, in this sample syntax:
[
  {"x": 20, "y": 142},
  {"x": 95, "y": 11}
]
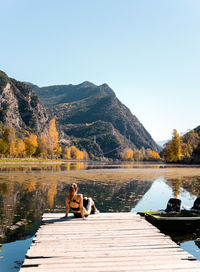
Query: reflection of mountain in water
[
  {"x": 21, "y": 204},
  {"x": 109, "y": 197}
]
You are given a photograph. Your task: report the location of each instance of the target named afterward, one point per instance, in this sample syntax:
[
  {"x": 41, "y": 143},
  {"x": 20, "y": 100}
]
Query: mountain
[
  {"x": 20, "y": 107},
  {"x": 87, "y": 115},
  {"x": 95, "y": 117},
  {"x": 162, "y": 143}
]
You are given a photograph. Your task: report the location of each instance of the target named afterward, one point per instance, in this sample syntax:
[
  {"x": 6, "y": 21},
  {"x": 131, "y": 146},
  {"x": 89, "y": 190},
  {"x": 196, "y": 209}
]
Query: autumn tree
[
  {"x": 1, "y": 129},
  {"x": 43, "y": 145},
  {"x": 31, "y": 144},
  {"x": 139, "y": 155},
  {"x": 127, "y": 154},
  {"x": 3, "y": 147},
  {"x": 10, "y": 139},
  {"x": 190, "y": 142},
  {"x": 20, "y": 148},
  {"x": 192, "y": 138},
  {"x": 74, "y": 151},
  {"x": 152, "y": 155},
  {"x": 54, "y": 148},
  {"x": 85, "y": 155},
  {"x": 67, "y": 152},
  {"x": 172, "y": 151},
  {"x": 57, "y": 151}
]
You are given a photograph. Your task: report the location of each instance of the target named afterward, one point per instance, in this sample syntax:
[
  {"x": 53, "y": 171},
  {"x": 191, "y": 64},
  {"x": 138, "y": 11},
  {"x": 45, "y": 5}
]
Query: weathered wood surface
[{"x": 109, "y": 242}]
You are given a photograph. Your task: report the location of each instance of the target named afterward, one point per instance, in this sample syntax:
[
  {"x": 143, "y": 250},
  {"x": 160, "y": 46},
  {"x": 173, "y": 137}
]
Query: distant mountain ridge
[
  {"x": 162, "y": 143},
  {"x": 58, "y": 94},
  {"x": 81, "y": 109}
]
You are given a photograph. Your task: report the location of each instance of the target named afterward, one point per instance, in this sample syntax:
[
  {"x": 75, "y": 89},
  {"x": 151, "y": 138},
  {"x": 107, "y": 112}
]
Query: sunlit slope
[{"x": 81, "y": 109}]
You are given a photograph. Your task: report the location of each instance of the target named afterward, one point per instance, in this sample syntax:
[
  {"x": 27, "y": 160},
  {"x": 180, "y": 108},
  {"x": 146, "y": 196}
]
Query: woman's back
[{"x": 75, "y": 202}]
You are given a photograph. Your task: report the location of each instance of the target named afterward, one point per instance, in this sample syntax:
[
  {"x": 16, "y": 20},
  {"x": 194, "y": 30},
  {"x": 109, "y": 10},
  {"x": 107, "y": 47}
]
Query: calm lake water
[{"x": 26, "y": 191}]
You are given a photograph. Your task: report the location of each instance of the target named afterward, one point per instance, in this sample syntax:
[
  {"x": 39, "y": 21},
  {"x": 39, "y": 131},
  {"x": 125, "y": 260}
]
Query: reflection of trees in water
[
  {"x": 21, "y": 204},
  {"x": 190, "y": 184},
  {"x": 45, "y": 167},
  {"x": 176, "y": 185},
  {"x": 115, "y": 197}
]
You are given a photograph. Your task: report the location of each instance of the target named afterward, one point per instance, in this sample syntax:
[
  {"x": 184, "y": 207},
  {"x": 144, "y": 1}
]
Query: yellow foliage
[
  {"x": 74, "y": 152},
  {"x": 67, "y": 153},
  {"x": 172, "y": 151},
  {"x": 57, "y": 151},
  {"x": 30, "y": 186},
  {"x": 138, "y": 155},
  {"x": 10, "y": 139},
  {"x": 127, "y": 154},
  {"x": 31, "y": 144},
  {"x": 152, "y": 155},
  {"x": 51, "y": 193},
  {"x": 20, "y": 148},
  {"x": 54, "y": 148},
  {"x": 12, "y": 148},
  {"x": 43, "y": 146},
  {"x": 85, "y": 155}
]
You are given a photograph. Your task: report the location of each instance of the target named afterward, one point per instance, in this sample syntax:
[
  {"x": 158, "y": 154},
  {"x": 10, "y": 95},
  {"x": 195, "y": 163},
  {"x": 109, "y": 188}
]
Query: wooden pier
[{"x": 103, "y": 243}]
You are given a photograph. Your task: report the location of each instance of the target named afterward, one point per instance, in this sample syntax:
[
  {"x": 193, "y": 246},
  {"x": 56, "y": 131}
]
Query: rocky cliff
[{"x": 20, "y": 107}]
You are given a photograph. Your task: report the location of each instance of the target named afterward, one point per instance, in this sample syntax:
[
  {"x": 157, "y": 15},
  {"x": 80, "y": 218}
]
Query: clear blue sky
[{"x": 148, "y": 51}]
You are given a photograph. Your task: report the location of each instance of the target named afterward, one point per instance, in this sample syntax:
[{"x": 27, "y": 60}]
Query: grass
[{"x": 34, "y": 160}]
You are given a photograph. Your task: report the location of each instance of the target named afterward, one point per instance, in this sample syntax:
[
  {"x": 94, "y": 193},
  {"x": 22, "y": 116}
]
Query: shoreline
[{"x": 160, "y": 164}]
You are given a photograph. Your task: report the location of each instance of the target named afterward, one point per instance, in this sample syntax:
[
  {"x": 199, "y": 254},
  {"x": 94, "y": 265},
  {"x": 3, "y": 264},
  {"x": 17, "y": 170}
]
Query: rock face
[
  {"x": 94, "y": 115},
  {"x": 20, "y": 107}
]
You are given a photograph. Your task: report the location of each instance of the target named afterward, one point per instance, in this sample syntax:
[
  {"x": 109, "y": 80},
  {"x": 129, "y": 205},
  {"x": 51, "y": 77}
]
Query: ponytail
[{"x": 72, "y": 191}]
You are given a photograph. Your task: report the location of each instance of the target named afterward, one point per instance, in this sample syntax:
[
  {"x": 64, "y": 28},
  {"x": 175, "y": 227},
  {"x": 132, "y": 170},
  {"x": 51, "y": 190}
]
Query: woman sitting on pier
[{"x": 81, "y": 207}]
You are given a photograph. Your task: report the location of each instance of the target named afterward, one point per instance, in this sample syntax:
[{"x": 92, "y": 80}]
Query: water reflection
[
  {"x": 70, "y": 166},
  {"x": 21, "y": 204},
  {"x": 26, "y": 194},
  {"x": 26, "y": 191}
]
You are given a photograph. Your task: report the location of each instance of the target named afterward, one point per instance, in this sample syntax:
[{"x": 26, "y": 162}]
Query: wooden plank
[
  {"x": 88, "y": 259},
  {"x": 100, "y": 215},
  {"x": 136, "y": 266},
  {"x": 148, "y": 268},
  {"x": 104, "y": 242},
  {"x": 98, "y": 254},
  {"x": 111, "y": 269}
]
